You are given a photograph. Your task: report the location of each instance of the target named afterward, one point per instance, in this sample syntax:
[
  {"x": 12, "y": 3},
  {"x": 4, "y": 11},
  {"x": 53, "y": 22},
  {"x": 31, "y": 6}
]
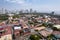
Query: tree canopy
[
  {"x": 4, "y": 17},
  {"x": 35, "y": 37}
]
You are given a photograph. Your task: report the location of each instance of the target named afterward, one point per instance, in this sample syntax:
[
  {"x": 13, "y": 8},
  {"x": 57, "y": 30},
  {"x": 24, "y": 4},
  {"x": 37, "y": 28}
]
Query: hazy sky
[{"x": 40, "y": 5}]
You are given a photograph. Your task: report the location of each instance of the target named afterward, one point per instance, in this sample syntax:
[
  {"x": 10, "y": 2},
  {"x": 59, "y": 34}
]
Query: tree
[
  {"x": 54, "y": 28},
  {"x": 4, "y": 17},
  {"x": 50, "y": 24},
  {"x": 30, "y": 22},
  {"x": 45, "y": 24},
  {"x": 51, "y": 37},
  {"x": 16, "y": 16},
  {"x": 35, "y": 37}
]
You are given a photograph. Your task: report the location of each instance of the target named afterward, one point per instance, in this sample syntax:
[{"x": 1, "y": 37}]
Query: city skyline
[{"x": 39, "y": 5}]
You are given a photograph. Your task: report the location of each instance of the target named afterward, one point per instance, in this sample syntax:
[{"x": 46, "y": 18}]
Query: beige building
[{"x": 6, "y": 37}]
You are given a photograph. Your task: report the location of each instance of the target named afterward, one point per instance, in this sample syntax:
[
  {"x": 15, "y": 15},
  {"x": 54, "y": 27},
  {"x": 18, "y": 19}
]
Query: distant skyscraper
[
  {"x": 31, "y": 10},
  {"x": 52, "y": 13},
  {"x": 26, "y": 11},
  {"x": 21, "y": 11},
  {"x": 17, "y": 12},
  {"x": 35, "y": 11},
  {"x": 2, "y": 10},
  {"x": 6, "y": 12}
]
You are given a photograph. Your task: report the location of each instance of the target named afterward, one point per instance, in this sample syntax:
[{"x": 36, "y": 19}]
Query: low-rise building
[
  {"x": 56, "y": 34},
  {"x": 46, "y": 32},
  {"x": 5, "y": 32},
  {"x": 57, "y": 26}
]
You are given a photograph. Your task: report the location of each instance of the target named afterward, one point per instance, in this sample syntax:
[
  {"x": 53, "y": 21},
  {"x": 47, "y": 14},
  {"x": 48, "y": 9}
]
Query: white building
[{"x": 57, "y": 26}]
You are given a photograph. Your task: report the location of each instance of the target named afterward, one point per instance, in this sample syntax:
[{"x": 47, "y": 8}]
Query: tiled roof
[
  {"x": 56, "y": 34},
  {"x": 46, "y": 32}
]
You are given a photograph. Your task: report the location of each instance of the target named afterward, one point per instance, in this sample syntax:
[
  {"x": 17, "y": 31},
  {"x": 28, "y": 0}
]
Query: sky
[{"x": 39, "y": 5}]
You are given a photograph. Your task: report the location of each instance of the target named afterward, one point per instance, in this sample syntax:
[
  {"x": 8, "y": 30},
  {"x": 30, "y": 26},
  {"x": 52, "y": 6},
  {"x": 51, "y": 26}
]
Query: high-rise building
[
  {"x": 35, "y": 11},
  {"x": 26, "y": 11},
  {"x": 2, "y": 11},
  {"x": 52, "y": 12},
  {"x": 21, "y": 11},
  {"x": 5, "y": 11},
  {"x": 31, "y": 10}
]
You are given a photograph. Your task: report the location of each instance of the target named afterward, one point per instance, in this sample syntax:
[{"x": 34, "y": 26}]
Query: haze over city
[
  {"x": 29, "y": 19},
  {"x": 39, "y": 5}
]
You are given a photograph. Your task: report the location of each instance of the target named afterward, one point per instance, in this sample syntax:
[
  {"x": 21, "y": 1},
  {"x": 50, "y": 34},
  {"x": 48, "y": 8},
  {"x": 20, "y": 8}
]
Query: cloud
[
  {"x": 16, "y": 1},
  {"x": 27, "y": 4}
]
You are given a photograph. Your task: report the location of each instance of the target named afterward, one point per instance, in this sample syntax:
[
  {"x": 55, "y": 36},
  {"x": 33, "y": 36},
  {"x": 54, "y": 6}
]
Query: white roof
[
  {"x": 17, "y": 28},
  {"x": 1, "y": 26},
  {"x": 57, "y": 26}
]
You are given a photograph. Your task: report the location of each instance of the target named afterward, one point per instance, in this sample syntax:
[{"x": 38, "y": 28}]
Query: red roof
[{"x": 1, "y": 28}]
